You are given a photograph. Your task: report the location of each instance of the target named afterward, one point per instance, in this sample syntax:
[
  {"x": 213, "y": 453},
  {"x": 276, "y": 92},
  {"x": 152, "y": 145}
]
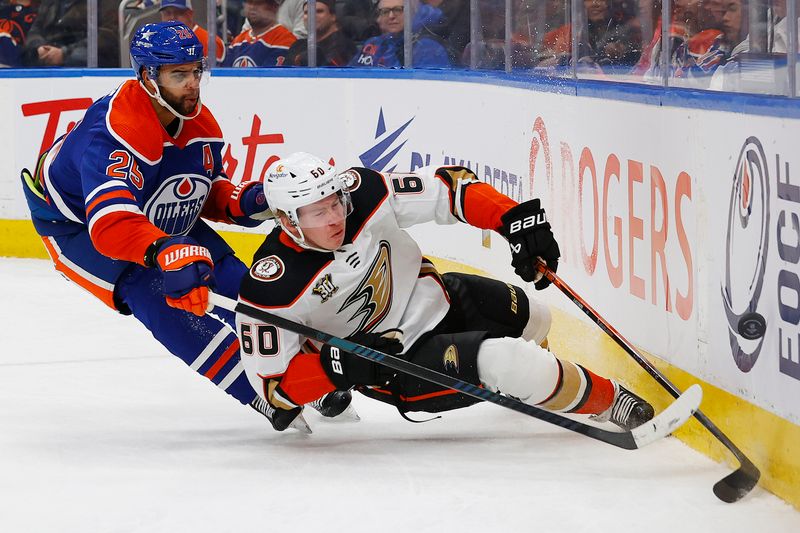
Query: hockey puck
[{"x": 752, "y": 326}]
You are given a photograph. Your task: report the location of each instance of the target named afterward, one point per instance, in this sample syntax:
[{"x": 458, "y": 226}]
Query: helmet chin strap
[{"x": 162, "y": 102}]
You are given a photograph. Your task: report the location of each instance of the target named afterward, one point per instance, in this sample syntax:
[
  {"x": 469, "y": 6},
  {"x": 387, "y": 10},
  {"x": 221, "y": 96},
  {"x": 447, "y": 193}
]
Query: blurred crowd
[{"x": 709, "y": 43}]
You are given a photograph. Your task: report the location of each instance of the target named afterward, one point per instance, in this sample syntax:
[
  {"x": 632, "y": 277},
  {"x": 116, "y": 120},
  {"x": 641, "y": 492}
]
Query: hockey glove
[
  {"x": 248, "y": 200},
  {"x": 346, "y": 370},
  {"x": 529, "y": 235},
  {"x": 187, "y": 269}
]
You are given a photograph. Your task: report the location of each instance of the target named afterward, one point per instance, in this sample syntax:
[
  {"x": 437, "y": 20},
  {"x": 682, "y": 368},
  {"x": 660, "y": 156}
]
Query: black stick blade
[{"x": 737, "y": 484}]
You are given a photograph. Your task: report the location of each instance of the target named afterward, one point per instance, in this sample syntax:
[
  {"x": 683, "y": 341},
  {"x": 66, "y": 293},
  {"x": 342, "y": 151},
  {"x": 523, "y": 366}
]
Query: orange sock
[{"x": 600, "y": 396}]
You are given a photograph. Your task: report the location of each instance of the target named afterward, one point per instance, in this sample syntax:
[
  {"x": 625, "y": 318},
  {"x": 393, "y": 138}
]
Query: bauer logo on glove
[
  {"x": 527, "y": 222},
  {"x": 530, "y": 237}
]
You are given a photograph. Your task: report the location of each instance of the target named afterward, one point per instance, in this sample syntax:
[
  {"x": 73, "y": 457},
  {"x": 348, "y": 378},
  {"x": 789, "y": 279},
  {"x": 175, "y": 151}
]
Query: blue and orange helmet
[{"x": 164, "y": 43}]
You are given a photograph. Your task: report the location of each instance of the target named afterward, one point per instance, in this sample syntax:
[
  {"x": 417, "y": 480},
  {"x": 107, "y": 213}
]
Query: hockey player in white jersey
[{"x": 340, "y": 261}]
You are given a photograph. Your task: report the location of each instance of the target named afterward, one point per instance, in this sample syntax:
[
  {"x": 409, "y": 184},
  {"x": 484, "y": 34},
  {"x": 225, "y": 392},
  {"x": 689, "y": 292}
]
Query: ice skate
[
  {"x": 337, "y": 404},
  {"x": 627, "y": 410},
  {"x": 282, "y": 418}
]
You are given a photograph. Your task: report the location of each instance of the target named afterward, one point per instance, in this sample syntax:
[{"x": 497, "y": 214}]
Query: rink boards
[{"x": 678, "y": 217}]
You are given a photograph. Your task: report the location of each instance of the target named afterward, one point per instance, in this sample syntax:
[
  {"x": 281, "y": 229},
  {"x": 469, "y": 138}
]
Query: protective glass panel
[
  {"x": 233, "y": 18},
  {"x": 58, "y": 36},
  {"x": 358, "y": 22},
  {"x": 376, "y": 30},
  {"x": 333, "y": 46},
  {"x": 614, "y": 39},
  {"x": 488, "y": 52},
  {"x": 542, "y": 37},
  {"x": 15, "y": 27},
  {"x": 729, "y": 45},
  {"x": 794, "y": 62},
  {"x": 440, "y": 32}
]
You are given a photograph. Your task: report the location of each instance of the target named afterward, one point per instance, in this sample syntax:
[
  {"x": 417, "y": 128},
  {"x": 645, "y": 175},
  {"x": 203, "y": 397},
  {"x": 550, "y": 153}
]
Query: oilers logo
[
  {"x": 175, "y": 206},
  {"x": 244, "y": 61},
  {"x": 747, "y": 244}
]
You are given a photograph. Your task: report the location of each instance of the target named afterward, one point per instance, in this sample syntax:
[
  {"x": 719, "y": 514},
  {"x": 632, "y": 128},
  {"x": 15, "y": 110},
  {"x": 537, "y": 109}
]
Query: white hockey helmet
[{"x": 298, "y": 180}]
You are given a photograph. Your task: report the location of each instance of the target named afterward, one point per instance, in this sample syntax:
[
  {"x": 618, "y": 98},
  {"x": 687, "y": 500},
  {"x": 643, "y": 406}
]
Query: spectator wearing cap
[
  {"x": 334, "y": 48},
  {"x": 181, "y": 10},
  {"x": 265, "y": 43},
  {"x": 387, "y": 49}
]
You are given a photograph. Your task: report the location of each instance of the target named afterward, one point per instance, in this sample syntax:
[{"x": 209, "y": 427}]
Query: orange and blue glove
[
  {"x": 188, "y": 272},
  {"x": 248, "y": 205}
]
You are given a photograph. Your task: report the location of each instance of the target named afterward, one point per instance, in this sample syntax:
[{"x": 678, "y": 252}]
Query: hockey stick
[
  {"x": 662, "y": 425},
  {"x": 729, "y": 489}
]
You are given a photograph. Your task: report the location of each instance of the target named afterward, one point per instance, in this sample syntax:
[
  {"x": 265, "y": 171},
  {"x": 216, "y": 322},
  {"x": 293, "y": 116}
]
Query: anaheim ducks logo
[
  {"x": 268, "y": 269},
  {"x": 351, "y": 179},
  {"x": 373, "y": 296},
  {"x": 450, "y": 359}
]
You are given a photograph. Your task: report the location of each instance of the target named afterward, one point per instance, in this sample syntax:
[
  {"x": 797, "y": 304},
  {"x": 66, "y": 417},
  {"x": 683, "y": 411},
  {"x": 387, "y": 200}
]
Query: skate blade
[
  {"x": 348, "y": 415},
  {"x": 300, "y": 424}
]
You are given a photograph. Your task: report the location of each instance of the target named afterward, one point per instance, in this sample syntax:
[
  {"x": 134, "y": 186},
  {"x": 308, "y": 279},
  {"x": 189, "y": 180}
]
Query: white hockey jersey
[{"x": 376, "y": 281}]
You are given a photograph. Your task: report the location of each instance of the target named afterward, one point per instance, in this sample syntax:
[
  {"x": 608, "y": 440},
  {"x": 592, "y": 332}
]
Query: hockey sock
[{"x": 580, "y": 391}]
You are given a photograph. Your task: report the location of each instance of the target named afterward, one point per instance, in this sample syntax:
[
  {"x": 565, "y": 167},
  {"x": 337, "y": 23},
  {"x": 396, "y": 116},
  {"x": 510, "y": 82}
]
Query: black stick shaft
[{"x": 620, "y": 439}]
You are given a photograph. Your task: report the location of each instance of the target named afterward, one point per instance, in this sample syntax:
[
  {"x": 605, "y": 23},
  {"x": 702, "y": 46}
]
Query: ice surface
[{"x": 102, "y": 431}]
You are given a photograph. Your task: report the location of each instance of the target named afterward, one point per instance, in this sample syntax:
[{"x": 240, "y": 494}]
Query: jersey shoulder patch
[
  {"x": 131, "y": 120},
  {"x": 280, "y": 273},
  {"x": 368, "y": 190}
]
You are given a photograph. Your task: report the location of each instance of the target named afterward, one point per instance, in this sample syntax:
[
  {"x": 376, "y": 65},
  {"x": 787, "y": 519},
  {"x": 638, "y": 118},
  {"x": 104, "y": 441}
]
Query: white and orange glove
[{"x": 188, "y": 272}]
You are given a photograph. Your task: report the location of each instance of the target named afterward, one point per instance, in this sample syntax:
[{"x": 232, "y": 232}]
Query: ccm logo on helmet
[{"x": 527, "y": 222}]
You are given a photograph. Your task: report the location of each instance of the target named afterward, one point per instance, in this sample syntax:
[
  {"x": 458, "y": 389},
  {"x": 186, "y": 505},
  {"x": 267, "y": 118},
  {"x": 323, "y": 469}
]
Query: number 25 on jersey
[{"x": 124, "y": 167}]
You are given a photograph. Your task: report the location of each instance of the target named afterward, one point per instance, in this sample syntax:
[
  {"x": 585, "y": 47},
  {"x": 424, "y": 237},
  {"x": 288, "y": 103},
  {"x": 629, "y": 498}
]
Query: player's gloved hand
[
  {"x": 248, "y": 200},
  {"x": 187, "y": 269},
  {"x": 346, "y": 370},
  {"x": 529, "y": 235}
]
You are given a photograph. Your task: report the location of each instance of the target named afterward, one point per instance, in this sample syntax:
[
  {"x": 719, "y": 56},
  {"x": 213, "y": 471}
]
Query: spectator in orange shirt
[
  {"x": 266, "y": 43},
  {"x": 181, "y": 10}
]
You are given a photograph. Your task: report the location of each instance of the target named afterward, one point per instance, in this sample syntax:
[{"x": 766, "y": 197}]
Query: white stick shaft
[{"x": 218, "y": 300}]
